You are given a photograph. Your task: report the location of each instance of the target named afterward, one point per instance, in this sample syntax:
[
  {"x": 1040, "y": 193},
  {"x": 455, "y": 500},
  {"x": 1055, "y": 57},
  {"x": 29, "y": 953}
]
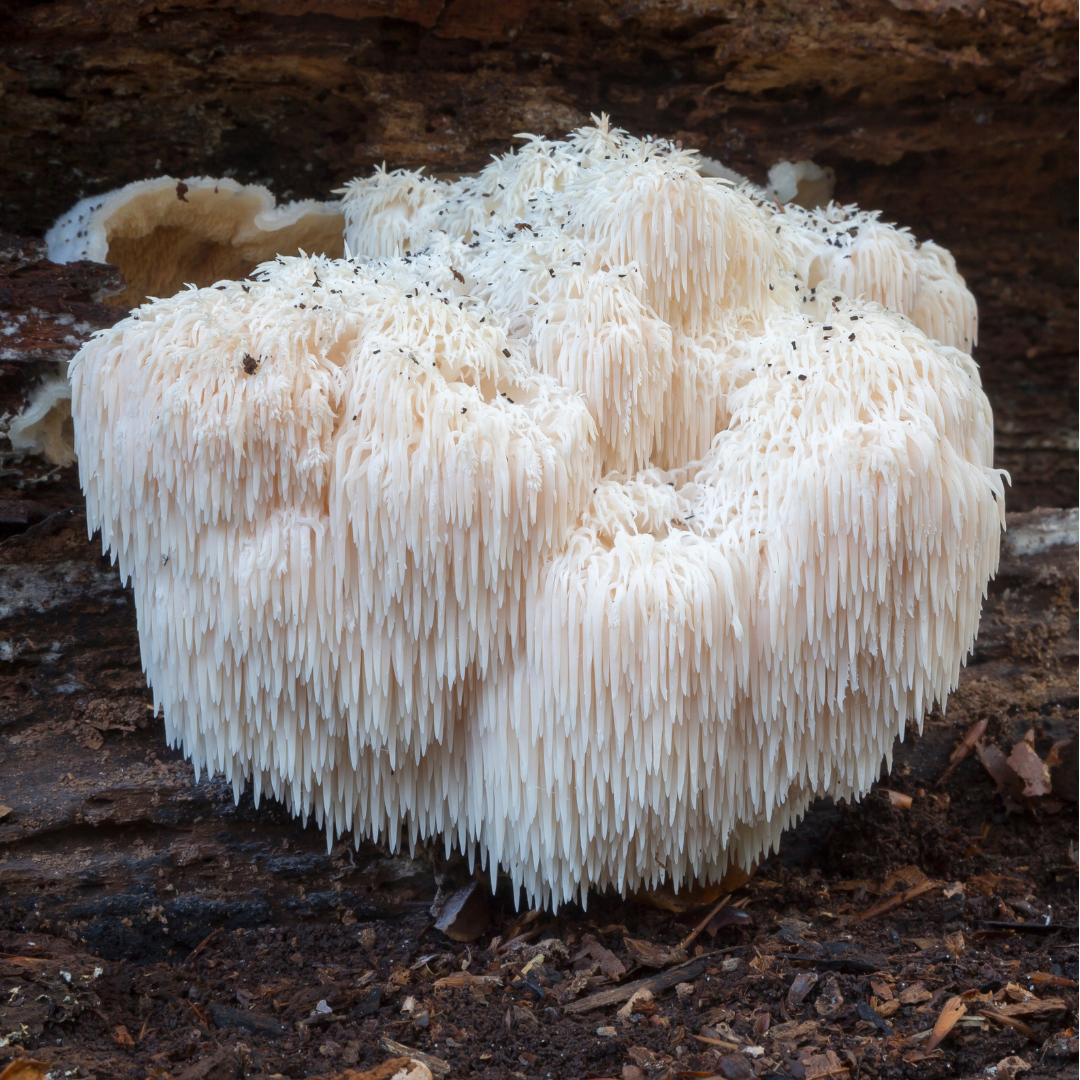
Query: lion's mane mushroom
[{"x": 567, "y": 521}]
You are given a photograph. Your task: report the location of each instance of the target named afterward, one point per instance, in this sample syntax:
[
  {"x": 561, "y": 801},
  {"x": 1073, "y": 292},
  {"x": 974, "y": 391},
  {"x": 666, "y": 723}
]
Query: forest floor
[{"x": 151, "y": 927}]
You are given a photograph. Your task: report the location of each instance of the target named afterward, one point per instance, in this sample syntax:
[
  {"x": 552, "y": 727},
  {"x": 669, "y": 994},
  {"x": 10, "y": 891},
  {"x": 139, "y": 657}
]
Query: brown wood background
[{"x": 954, "y": 117}]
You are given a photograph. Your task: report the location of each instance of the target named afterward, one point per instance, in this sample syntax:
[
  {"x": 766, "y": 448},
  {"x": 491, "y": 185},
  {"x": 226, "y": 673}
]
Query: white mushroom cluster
[{"x": 592, "y": 515}]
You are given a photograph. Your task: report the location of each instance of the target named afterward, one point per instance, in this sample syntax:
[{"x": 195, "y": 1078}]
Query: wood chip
[
  {"x": 638, "y": 1002},
  {"x": 821, "y": 1065},
  {"x": 801, "y": 985},
  {"x": 1034, "y": 1007},
  {"x": 892, "y": 902},
  {"x": 915, "y": 994},
  {"x": 720, "y": 1044},
  {"x": 898, "y": 800},
  {"x": 946, "y": 1021},
  {"x": 653, "y": 956},
  {"x": 464, "y": 914},
  {"x": 1043, "y": 978},
  {"x": 997, "y": 765},
  {"x": 610, "y": 964},
  {"x": 1029, "y": 767},
  {"x": 396, "y": 1068},
  {"x": 687, "y": 972},
  {"x": 1011, "y": 1022},
  {"x": 793, "y": 1031},
  {"x": 466, "y": 979},
  {"x": 436, "y": 1065}
]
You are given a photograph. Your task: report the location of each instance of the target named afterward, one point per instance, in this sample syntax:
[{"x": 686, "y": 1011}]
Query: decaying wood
[
  {"x": 954, "y": 117},
  {"x": 655, "y": 984}
]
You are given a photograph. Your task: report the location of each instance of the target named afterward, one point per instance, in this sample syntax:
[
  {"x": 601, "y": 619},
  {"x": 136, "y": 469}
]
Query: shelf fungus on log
[
  {"x": 165, "y": 233},
  {"x": 566, "y": 520}
]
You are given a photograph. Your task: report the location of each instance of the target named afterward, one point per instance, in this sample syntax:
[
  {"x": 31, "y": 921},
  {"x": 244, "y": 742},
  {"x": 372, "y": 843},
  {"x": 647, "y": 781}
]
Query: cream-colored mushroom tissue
[{"x": 593, "y": 515}]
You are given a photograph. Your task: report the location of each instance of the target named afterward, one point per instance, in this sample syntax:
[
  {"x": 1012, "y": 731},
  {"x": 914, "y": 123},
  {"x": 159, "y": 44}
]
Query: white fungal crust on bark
[{"x": 566, "y": 521}]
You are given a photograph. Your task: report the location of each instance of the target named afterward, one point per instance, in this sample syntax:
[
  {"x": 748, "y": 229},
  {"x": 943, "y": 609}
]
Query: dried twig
[
  {"x": 436, "y": 1065},
  {"x": 967, "y": 744},
  {"x": 687, "y": 972},
  {"x": 693, "y": 935},
  {"x": 202, "y": 945},
  {"x": 721, "y": 1044},
  {"x": 1010, "y": 1021},
  {"x": 896, "y": 900}
]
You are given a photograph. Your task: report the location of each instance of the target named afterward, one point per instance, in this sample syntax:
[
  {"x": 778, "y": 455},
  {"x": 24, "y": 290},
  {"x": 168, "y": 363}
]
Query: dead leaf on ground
[
  {"x": 464, "y": 914},
  {"x": 946, "y": 1021},
  {"x": 922, "y": 943},
  {"x": 915, "y": 994},
  {"x": 1029, "y": 767},
  {"x": 821, "y": 1065},
  {"x": 122, "y": 1037},
  {"x": 697, "y": 895},
  {"x": 761, "y": 963},
  {"x": 907, "y": 877},
  {"x": 653, "y": 956},
  {"x": 610, "y": 964},
  {"x": 997, "y": 765},
  {"x": 955, "y": 942},
  {"x": 989, "y": 884}
]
